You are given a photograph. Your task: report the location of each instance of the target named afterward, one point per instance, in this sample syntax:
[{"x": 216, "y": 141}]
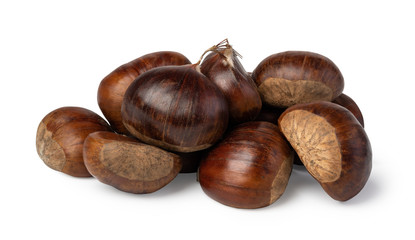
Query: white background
[{"x": 55, "y": 53}]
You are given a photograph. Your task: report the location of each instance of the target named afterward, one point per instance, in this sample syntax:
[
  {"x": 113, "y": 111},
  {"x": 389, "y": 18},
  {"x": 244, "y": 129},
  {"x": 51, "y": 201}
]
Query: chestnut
[
  {"x": 293, "y": 77},
  {"x": 128, "y": 164},
  {"x": 223, "y": 68},
  {"x": 176, "y": 108},
  {"x": 112, "y": 88},
  {"x": 347, "y": 102},
  {"x": 332, "y": 145},
  {"x": 60, "y": 137},
  {"x": 249, "y": 168}
]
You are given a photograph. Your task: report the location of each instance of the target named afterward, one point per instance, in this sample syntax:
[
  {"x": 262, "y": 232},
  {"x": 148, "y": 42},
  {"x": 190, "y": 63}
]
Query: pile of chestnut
[{"x": 241, "y": 132}]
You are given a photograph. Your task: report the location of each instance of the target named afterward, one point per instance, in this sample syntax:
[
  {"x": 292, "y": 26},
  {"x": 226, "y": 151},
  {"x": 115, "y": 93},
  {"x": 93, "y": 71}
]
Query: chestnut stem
[{"x": 224, "y": 44}]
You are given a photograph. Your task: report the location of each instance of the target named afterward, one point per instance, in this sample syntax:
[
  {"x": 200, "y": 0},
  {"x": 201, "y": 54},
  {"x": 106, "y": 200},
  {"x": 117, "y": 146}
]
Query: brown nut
[
  {"x": 128, "y": 164},
  {"x": 347, "y": 102},
  {"x": 176, "y": 108},
  {"x": 294, "y": 77},
  {"x": 250, "y": 168},
  {"x": 60, "y": 137},
  {"x": 332, "y": 145},
  {"x": 112, "y": 88},
  {"x": 224, "y": 69}
]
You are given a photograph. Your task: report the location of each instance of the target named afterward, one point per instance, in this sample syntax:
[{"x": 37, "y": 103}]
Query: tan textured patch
[
  {"x": 280, "y": 92},
  {"x": 281, "y": 179},
  {"x": 48, "y": 149},
  {"x": 136, "y": 162},
  {"x": 315, "y": 142}
]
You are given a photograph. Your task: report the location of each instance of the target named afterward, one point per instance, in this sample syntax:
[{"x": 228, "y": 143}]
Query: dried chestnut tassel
[{"x": 223, "y": 68}]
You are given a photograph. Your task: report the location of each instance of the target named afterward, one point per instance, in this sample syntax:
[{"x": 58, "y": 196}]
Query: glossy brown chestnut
[
  {"x": 224, "y": 69},
  {"x": 60, "y": 137},
  {"x": 176, "y": 108},
  {"x": 347, "y": 102},
  {"x": 112, "y": 88},
  {"x": 288, "y": 78},
  {"x": 250, "y": 168},
  {"x": 332, "y": 145},
  {"x": 128, "y": 164}
]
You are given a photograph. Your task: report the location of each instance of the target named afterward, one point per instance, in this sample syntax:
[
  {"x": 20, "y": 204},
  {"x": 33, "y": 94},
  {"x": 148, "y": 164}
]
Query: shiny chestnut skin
[
  {"x": 249, "y": 168},
  {"x": 60, "y": 138},
  {"x": 332, "y": 145},
  {"x": 293, "y": 77},
  {"x": 347, "y": 102},
  {"x": 176, "y": 108},
  {"x": 128, "y": 164},
  {"x": 224, "y": 69},
  {"x": 112, "y": 88}
]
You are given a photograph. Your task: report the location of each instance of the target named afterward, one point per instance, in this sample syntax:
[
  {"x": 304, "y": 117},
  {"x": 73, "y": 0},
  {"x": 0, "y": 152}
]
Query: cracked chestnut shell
[
  {"x": 176, "y": 108},
  {"x": 61, "y": 135},
  {"x": 293, "y": 77},
  {"x": 224, "y": 69},
  {"x": 332, "y": 145},
  {"x": 112, "y": 88},
  {"x": 249, "y": 168},
  {"x": 127, "y": 164}
]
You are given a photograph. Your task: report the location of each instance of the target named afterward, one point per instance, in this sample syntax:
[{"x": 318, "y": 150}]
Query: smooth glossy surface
[
  {"x": 112, "y": 88},
  {"x": 176, "y": 108},
  {"x": 347, "y": 102},
  {"x": 250, "y": 168},
  {"x": 224, "y": 69},
  {"x": 292, "y": 77}
]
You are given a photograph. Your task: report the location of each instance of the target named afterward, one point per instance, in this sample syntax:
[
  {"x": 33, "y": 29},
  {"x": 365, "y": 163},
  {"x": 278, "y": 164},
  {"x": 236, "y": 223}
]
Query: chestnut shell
[
  {"x": 293, "y": 77},
  {"x": 61, "y": 135},
  {"x": 176, "y": 108},
  {"x": 351, "y": 140},
  {"x": 249, "y": 168},
  {"x": 347, "y": 102},
  {"x": 127, "y": 164},
  {"x": 112, "y": 88},
  {"x": 224, "y": 69}
]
